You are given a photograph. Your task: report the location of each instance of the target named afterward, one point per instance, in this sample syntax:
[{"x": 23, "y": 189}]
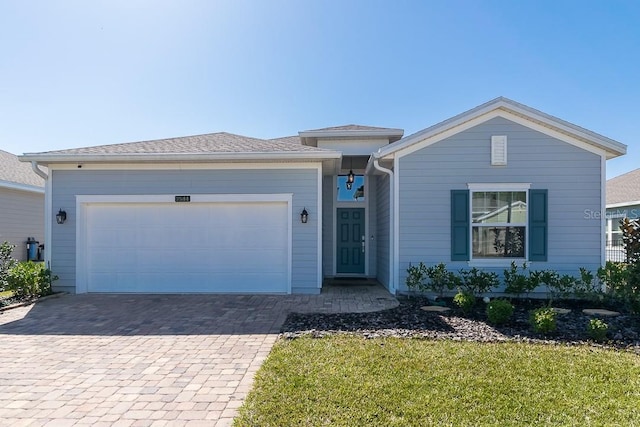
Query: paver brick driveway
[{"x": 143, "y": 359}]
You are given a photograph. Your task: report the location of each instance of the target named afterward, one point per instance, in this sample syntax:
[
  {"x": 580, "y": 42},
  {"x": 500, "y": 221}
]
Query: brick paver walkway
[{"x": 138, "y": 360}]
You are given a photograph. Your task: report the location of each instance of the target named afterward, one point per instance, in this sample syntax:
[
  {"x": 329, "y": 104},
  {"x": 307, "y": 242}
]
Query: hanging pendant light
[{"x": 351, "y": 177}]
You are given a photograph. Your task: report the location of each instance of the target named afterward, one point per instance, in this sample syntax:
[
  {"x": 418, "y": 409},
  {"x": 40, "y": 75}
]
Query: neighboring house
[
  {"x": 227, "y": 213},
  {"x": 21, "y": 204},
  {"x": 623, "y": 201}
]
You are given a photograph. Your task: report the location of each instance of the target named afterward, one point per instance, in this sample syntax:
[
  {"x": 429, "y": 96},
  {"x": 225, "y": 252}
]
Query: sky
[{"x": 83, "y": 73}]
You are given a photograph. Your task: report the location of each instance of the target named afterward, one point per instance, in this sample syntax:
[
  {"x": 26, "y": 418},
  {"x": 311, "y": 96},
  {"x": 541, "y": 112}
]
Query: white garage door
[{"x": 186, "y": 247}]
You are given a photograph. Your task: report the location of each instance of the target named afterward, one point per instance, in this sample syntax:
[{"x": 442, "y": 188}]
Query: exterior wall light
[
  {"x": 61, "y": 217},
  {"x": 350, "y": 179},
  {"x": 304, "y": 216}
]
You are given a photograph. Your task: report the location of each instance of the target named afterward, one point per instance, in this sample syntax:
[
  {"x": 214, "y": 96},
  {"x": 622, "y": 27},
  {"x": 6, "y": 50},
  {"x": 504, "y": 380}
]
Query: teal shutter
[
  {"x": 460, "y": 225},
  {"x": 538, "y": 225}
]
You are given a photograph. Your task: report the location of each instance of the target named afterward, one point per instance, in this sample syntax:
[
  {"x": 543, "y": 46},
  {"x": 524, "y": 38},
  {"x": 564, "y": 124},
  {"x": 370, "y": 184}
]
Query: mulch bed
[{"x": 409, "y": 321}]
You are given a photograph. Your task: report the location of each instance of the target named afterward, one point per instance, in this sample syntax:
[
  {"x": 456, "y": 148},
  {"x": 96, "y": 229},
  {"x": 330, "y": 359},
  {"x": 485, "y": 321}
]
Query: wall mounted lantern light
[
  {"x": 304, "y": 216},
  {"x": 61, "y": 217}
]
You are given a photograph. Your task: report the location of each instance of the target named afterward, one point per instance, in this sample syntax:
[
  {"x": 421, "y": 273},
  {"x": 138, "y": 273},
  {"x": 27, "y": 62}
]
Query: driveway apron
[{"x": 138, "y": 360}]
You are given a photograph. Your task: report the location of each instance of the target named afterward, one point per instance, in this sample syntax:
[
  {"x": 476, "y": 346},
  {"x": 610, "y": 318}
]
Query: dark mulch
[{"x": 408, "y": 320}]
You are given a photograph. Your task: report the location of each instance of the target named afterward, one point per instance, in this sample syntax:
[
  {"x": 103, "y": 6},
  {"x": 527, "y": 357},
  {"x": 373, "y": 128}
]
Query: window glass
[
  {"x": 355, "y": 194},
  {"x": 499, "y": 224}
]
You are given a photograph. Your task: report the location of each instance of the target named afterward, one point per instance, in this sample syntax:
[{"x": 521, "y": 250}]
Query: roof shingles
[
  {"x": 13, "y": 170},
  {"x": 624, "y": 188}
]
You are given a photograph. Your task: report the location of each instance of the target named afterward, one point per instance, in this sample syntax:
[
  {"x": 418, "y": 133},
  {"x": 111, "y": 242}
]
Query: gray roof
[
  {"x": 14, "y": 171},
  {"x": 624, "y": 188},
  {"x": 294, "y": 139},
  {"x": 220, "y": 142}
]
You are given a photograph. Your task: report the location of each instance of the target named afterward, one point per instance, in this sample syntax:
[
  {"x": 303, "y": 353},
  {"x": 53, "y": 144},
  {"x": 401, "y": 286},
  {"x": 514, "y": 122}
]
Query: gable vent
[{"x": 499, "y": 150}]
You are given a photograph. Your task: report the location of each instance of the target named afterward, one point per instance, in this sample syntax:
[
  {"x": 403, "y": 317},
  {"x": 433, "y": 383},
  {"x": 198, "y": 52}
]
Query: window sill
[{"x": 502, "y": 262}]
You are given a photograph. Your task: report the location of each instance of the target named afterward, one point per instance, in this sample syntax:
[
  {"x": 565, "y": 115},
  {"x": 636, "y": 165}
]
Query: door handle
[{"x": 363, "y": 244}]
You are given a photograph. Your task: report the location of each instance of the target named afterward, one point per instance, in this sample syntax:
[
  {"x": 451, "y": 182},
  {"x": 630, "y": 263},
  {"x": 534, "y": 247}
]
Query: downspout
[
  {"x": 38, "y": 171},
  {"x": 376, "y": 165}
]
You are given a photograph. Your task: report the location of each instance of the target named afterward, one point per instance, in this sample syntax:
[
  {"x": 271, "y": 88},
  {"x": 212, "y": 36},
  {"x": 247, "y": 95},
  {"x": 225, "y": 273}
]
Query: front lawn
[{"x": 347, "y": 380}]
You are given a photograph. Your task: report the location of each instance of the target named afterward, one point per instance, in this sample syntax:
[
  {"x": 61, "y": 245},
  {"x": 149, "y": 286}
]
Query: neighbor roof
[
  {"x": 13, "y": 172},
  {"x": 212, "y": 146},
  {"x": 624, "y": 188},
  {"x": 611, "y": 147},
  {"x": 310, "y": 137}
]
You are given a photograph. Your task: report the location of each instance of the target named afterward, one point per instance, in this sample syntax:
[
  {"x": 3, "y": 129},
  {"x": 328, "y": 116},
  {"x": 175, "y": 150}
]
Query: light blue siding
[
  {"x": 571, "y": 175},
  {"x": 382, "y": 216},
  {"x": 372, "y": 215},
  {"x": 21, "y": 216},
  {"x": 301, "y": 182}
]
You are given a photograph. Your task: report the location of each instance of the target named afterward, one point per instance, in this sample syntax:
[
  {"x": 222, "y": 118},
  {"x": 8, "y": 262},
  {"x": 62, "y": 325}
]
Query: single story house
[
  {"x": 21, "y": 205},
  {"x": 623, "y": 201},
  {"x": 228, "y": 213}
]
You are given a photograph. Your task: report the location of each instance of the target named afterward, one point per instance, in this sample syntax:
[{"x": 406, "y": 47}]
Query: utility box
[{"x": 32, "y": 249}]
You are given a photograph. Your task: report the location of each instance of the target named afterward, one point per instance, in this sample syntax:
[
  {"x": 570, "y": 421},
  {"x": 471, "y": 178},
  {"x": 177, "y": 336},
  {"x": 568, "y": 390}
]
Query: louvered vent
[{"x": 499, "y": 150}]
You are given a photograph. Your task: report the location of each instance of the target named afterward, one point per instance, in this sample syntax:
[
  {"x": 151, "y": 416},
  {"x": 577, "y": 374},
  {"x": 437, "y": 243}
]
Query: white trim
[
  {"x": 21, "y": 187},
  {"x": 185, "y": 166},
  {"x": 498, "y": 186},
  {"x": 519, "y": 113},
  {"x": 622, "y": 204},
  {"x": 438, "y": 135},
  {"x": 498, "y": 262},
  {"x": 82, "y": 201},
  {"x": 395, "y": 283},
  {"x": 353, "y": 133},
  {"x": 48, "y": 218},
  {"x": 319, "y": 215},
  {"x": 603, "y": 201},
  {"x": 46, "y": 158}
]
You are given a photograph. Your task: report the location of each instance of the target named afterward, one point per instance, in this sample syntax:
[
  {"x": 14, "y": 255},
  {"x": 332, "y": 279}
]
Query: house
[
  {"x": 228, "y": 213},
  {"x": 623, "y": 201},
  {"x": 21, "y": 205}
]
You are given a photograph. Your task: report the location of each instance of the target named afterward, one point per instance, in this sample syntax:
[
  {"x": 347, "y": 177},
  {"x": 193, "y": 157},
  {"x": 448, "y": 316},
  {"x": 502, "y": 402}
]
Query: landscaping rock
[
  {"x": 411, "y": 320},
  {"x": 434, "y": 308},
  {"x": 561, "y": 310},
  {"x": 600, "y": 312}
]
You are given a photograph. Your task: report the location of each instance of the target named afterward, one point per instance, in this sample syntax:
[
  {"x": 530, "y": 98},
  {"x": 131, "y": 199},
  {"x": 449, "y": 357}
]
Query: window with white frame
[{"x": 498, "y": 224}]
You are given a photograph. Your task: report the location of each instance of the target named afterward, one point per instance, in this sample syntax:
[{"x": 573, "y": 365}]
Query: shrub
[
  {"x": 558, "y": 286},
  {"x": 440, "y": 279},
  {"x": 499, "y": 311},
  {"x": 543, "y": 320},
  {"x": 597, "y": 329},
  {"x": 416, "y": 275},
  {"x": 6, "y": 262},
  {"x": 518, "y": 283},
  {"x": 622, "y": 283},
  {"x": 30, "y": 279},
  {"x": 465, "y": 301},
  {"x": 476, "y": 281}
]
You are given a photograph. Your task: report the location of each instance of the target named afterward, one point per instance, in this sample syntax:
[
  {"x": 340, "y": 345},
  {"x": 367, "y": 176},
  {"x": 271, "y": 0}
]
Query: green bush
[
  {"x": 517, "y": 283},
  {"x": 465, "y": 301},
  {"x": 499, "y": 311},
  {"x": 475, "y": 281},
  {"x": 440, "y": 279},
  {"x": 621, "y": 284},
  {"x": 6, "y": 262},
  {"x": 29, "y": 279},
  {"x": 597, "y": 329},
  {"x": 543, "y": 320},
  {"x": 416, "y": 276}
]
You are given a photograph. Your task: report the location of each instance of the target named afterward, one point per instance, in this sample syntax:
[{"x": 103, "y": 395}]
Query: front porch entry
[{"x": 350, "y": 241}]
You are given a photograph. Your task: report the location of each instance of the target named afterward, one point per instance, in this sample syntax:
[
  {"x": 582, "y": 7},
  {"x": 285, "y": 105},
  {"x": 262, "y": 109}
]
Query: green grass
[{"x": 351, "y": 381}]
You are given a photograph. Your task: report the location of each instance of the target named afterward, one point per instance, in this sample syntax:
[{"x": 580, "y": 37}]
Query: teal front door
[{"x": 350, "y": 241}]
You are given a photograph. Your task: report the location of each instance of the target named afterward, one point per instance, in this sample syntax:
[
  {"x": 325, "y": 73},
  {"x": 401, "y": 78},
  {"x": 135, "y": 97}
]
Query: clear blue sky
[{"x": 81, "y": 73}]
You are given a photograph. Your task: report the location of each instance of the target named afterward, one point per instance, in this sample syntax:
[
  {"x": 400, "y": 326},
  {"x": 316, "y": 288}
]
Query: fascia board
[
  {"x": 177, "y": 157},
  {"x": 21, "y": 187},
  {"x": 611, "y": 147},
  {"x": 351, "y": 133}
]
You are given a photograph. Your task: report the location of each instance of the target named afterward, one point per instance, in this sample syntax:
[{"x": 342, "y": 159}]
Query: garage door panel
[{"x": 195, "y": 247}]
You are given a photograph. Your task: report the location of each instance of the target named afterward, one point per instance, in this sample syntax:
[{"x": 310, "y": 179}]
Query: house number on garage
[{"x": 183, "y": 198}]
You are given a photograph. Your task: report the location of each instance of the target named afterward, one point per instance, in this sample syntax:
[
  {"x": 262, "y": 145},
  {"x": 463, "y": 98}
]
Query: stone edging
[{"x": 26, "y": 303}]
